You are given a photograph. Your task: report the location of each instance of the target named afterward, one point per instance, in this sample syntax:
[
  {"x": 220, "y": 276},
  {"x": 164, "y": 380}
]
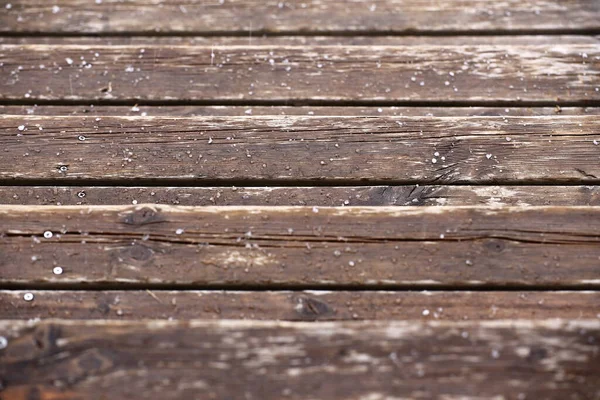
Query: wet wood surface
[
  {"x": 329, "y": 40},
  {"x": 223, "y": 199},
  {"x": 538, "y": 74},
  {"x": 330, "y": 196},
  {"x": 332, "y": 111},
  {"x": 309, "y": 247},
  {"x": 298, "y": 16},
  {"x": 301, "y": 149},
  {"x": 270, "y": 360},
  {"x": 300, "y": 305}
]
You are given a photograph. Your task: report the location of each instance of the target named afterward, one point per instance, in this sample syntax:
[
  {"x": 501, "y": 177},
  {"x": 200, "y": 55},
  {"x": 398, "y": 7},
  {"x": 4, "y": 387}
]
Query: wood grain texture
[
  {"x": 307, "y": 247},
  {"x": 434, "y": 195},
  {"x": 301, "y": 74},
  {"x": 263, "y": 40},
  {"x": 299, "y": 306},
  {"x": 195, "y": 111},
  {"x": 62, "y": 360},
  {"x": 298, "y": 16},
  {"x": 301, "y": 150}
]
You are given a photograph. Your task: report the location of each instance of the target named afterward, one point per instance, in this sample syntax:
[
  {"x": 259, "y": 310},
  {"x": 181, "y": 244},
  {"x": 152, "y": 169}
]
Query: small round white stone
[
  {"x": 3, "y": 342},
  {"x": 57, "y": 270},
  {"x": 179, "y": 231},
  {"x": 48, "y": 234},
  {"x": 28, "y": 296}
]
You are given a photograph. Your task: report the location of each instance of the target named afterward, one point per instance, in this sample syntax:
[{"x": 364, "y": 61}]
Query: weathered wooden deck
[{"x": 242, "y": 199}]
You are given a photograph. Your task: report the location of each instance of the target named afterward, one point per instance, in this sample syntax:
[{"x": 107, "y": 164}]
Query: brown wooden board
[
  {"x": 193, "y": 111},
  {"x": 438, "y": 195},
  {"x": 297, "y": 16},
  {"x": 299, "y": 306},
  {"x": 301, "y": 149},
  {"x": 299, "y": 74},
  {"x": 307, "y": 247},
  {"x": 63, "y": 360},
  {"x": 344, "y": 40}
]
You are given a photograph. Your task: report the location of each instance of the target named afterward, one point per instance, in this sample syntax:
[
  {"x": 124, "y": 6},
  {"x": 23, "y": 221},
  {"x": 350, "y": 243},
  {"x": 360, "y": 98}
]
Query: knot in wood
[
  {"x": 311, "y": 308},
  {"x": 140, "y": 252},
  {"x": 142, "y": 216}
]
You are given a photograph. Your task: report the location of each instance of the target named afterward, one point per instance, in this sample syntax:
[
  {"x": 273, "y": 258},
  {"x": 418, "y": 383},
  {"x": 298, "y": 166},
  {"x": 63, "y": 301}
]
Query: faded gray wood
[
  {"x": 308, "y": 247},
  {"x": 537, "y": 74},
  {"x": 298, "y": 16},
  {"x": 63, "y": 360},
  {"x": 299, "y": 306},
  {"x": 301, "y": 150},
  {"x": 437, "y": 195}
]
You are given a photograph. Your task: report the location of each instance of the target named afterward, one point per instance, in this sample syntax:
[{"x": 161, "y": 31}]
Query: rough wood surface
[
  {"x": 300, "y": 306},
  {"x": 437, "y": 195},
  {"x": 301, "y": 246},
  {"x": 298, "y": 16},
  {"x": 194, "y": 111},
  {"x": 303, "y": 40},
  {"x": 318, "y": 360},
  {"x": 301, "y": 149},
  {"x": 503, "y": 73}
]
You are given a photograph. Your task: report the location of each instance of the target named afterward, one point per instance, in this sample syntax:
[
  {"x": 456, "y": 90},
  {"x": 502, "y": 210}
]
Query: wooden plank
[
  {"x": 194, "y": 111},
  {"x": 306, "y": 247},
  {"x": 299, "y": 306},
  {"x": 298, "y": 16},
  {"x": 354, "y": 40},
  {"x": 317, "y": 360},
  {"x": 300, "y": 150},
  {"x": 409, "y": 195},
  {"x": 301, "y": 74}
]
